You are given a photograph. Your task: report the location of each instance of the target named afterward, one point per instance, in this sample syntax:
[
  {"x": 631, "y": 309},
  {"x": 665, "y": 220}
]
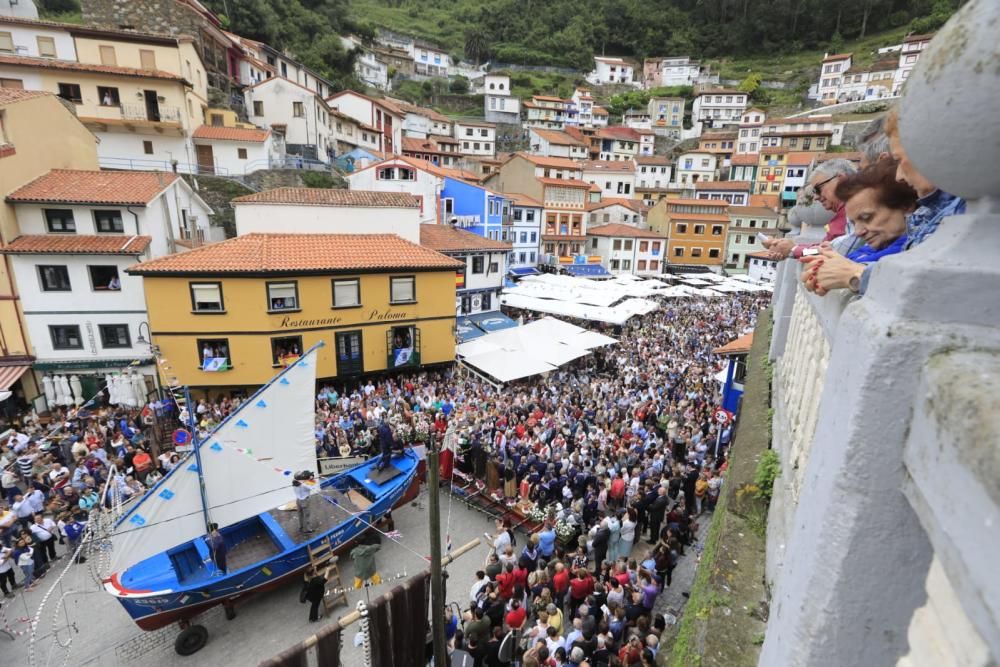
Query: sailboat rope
[{"x": 380, "y": 532}]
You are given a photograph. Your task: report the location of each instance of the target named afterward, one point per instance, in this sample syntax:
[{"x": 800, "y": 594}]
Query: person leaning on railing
[{"x": 878, "y": 204}]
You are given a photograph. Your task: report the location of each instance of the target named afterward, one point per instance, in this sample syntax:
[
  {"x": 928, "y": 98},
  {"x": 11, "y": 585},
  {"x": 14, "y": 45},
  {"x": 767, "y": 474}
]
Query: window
[
  {"x": 207, "y": 298},
  {"x": 616, "y": 244},
  {"x": 403, "y": 289},
  {"x": 739, "y": 238},
  {"x": 696, "y": 252},
  {"x": 66, "y": 337},
  {"x": 656, "y": 247},
  {"x": 682, "y": 228},
  {"x": 147, "y": 59},
  {"x": 258, "y": 108},
  {"x": 109, "y": 222},
  {"x": 241, "y": 153},
  {"x": 108, "y": 97},
  {"x": 54, "y": 278},
  {"x": 713, "y": 253},
  {"x": 347, "y": 293},
  {"x": 108, "y": 55},
  {"x": 626, "y": 264},
  {"x": 716, "y": 230},
  {"x": 641, "y": 265},
  {"x": 115, "y": 335},
  {"x": 214, "y": 354},
  {"x": 12, "y": 83},
  {"x": 60, "y": 220},
  {"x": 494, "y": 267},
  {"x": 628, "y": 244},
  {"x": 147, "y": 147},
  {"x": 678, "y": 252},
  {"x": 6, "y": 42},
  {"x": 104, "y": 278},
  {"x": 477, "y": 264},
  {"x": 285, "y": 350},
  {"x": 46, "y": 47},
  {"x": 298, "y": 110},
  {"x": 699, "y": 229},
  {"x": 282, "y": 296},
  {"x": 70, "y": 92},
  {"x": 396, "y": 174}
]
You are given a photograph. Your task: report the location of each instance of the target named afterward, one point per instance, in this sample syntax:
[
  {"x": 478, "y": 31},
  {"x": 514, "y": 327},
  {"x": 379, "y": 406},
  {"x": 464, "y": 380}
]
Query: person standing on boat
[
  {"x": 302, "y": 503},
  {"x": 217, "y": 546},
  {"x": 384, "y": 443}
]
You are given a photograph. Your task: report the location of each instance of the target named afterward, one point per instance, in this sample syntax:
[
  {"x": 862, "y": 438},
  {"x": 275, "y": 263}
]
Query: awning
[
  {"x": 11, "y": 374},
  {"x": 90, "y": 364},
  {"x": 467, "y": 330},
  {"x": 587, "y": 270},
  {"x": 524, "y": 271},
  {"x": 492, "y": 321}
]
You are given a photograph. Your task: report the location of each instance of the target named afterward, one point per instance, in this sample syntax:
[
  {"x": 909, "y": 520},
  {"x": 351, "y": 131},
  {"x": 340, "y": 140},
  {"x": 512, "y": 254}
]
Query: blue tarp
[
  {"x": 467, "y": 330},
  {"x": 492, "y": 321},
  {"x": 587, "y": 270},
  {"x": 524, "y": 271}
]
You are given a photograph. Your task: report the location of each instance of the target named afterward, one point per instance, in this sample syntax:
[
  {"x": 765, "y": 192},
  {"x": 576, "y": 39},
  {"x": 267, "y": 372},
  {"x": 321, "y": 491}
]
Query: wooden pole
[{"x": 437, "y": 592}]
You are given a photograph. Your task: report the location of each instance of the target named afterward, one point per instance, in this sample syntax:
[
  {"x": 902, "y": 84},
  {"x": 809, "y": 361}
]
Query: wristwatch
[{"x": 854, "y": 284}]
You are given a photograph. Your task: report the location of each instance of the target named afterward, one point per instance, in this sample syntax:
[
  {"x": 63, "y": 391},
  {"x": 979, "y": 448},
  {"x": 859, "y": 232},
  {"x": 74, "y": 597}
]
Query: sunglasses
[{"x": 816, "y": 188}]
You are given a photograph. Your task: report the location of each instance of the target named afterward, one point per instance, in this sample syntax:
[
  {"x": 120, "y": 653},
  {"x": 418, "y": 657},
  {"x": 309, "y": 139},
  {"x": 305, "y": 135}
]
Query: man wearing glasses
[{"x": 822, "y": 183}]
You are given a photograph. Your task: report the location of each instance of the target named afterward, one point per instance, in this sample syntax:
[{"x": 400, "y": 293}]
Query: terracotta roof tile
[
  {"x": 837, "y": 56},
  {"x": 763, "y": 254},
  {"x": 600, "y": 111},
  {"x": 631, "y": 204},
  {"x": 522, "y": 200},
  {"x": 801, "y": 159},
  {"x": 699, "y": 202},
  {"x": 566, "y": 182},
  {"x": 766, "y": 201},
  {"x": 741, "y": 345},
  {"x": 618, "y": 229},
  {"x": 330, "y": 197},
  {"x": 720, "y": 91},
  {"x": 71, "y": 186},
  {"x": 625, "y": 166},
  {"x": 445, "y": 238},
  {"x": 292, "y": 254},
  {"x": 734, "y": 186},
  {"x": 551, "y": 162},
  {"x": 72, "y": 65},
  {"x": 254, "y": 135},
  {"x": 744, "y": 159},
  {"x": 77, "y": 244},
  {"x": 556, "y": 137},
  {"x": 11, "y": 95},
  {"x": 657, "y": 160},
  {"x": 619, "y": 132},
  {"x": 752, "y": 211}
]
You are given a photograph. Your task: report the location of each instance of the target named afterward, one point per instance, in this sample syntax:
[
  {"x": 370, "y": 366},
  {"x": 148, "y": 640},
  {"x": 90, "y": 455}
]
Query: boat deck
[
  {"x": 255, "y": 549},
  {"x": 324, "y": 516}
]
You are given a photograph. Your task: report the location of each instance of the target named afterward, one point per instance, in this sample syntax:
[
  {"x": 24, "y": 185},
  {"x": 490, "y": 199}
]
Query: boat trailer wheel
[{"x": 191, "y": 640}]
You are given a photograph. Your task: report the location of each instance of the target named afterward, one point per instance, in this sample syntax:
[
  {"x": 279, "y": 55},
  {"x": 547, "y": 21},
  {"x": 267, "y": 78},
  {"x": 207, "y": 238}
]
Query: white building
[
  {"x": 554, "y": 143},
  {"x": 637, "y": 119},
  {"x": 477, "y": 139},
  {"x": 745, "y": 223},
  {"x": 615, "y": 178},
  {"x": 584, "y": 104},
  {"x": 499, "y": 104},
  {"x": 831, "y": 76},
  {"x": 327, "y": 211},
  {"x": 372, "y": 70},
  {"x": 24, "y": 9},
  {"x": 720, "y": 107},
  {"x": 909, "y": 54},
  {"x": 868, "y": 83},
  {"x": 478, "y": 290},
  {"x": 233, "y": 151},
  {"x": 748, "y": 140},
  {"x": 611, "y": 70},
  {"x": 627, "y": 249},
  {"x": 428, "y": 60},
  {"x": 614, "y": 210},
  {"x": 296, "y": 113},
  {"x": 761, "y": 268},
  {"x": 737, "y": 193},
  {"x": 379, "y": 114},
  {"x": 675, "y": 71},
  {"x": 524, "y": 231},
  {"x": 652, "y": 178},
  {"x": 79, "y": 231},
  {"x": 547, "y": 112},
  {"x": 693, "y": 167}
]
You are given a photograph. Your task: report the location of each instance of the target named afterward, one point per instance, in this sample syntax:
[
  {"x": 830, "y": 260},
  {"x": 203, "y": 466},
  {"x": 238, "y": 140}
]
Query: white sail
[{"x": 276, "y": 422}]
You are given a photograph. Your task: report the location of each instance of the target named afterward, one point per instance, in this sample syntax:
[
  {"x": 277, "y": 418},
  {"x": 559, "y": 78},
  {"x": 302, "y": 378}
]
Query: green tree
[
  {"x": 459, "y": 85},
  {"x": 477, "y": 46},
  {"x": 750, "y": 84}
]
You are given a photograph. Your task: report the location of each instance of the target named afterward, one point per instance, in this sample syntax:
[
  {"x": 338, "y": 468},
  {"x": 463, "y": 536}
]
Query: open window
[
  {"x": 214, "y": 354},
  {"x": 403, "y": 344},
  {"x": 285, "y": 350},
  {"x": 207, "y": 298},
  {"x": 282, "y": 296},
  {"x": 104, "y": 278}
]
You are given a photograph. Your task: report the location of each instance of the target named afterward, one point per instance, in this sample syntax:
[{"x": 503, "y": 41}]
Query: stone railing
[{"x": 884, "y": 528}]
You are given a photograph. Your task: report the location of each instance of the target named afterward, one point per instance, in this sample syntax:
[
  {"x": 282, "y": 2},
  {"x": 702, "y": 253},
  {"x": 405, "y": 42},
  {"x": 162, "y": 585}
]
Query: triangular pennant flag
[
  {"x": 242, "y": 424},
  {"x": 284, "y": 381},
  {"x": 262, "y": 403}
]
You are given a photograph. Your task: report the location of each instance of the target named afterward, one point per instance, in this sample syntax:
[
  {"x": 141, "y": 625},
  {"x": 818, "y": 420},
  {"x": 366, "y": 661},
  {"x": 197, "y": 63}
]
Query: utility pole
[{"x": 437, "y": 592}]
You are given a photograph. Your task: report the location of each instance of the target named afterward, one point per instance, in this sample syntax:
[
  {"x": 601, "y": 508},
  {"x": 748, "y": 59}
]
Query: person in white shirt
[
  {"x": 481, "y": 581},
  {"x": 45, "y": 530},
  {"x": 7, "y": 571},
  {"x": 36, "y": 499},
  {"x": 302, "y": 494}
]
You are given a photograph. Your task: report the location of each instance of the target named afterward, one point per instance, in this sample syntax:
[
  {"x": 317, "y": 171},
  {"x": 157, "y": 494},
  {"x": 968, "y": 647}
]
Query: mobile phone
[
  {"x": 762, "y": 237},
  {"x": 810, "y": 252}
]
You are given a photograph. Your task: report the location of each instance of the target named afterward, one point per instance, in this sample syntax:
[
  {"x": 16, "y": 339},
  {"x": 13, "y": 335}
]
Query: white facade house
[
  {"x": 499, "y": 104},
  {"x": 637, "y": 119},
  {"x": 35, "y": 40},
  {"x": 378, "y": 114},
  {"x": 326, "y": 211},
  {"x": 716, "y": 108},
  {"x": 478, "y": 139},
  {"x": 485, "y": 266},
  {"x": 618, "y": 211},
  {"x": 761, "y": 268},
  {"x": 524, "y": 231},
  {"x": 647, "y": 142},
  {"x": 233, "y": 151},
  {"x": 611, "y": 70},
  {"x": 79, "y": 231},
  {"x": 737, "y": 193},
  {"x": 24, "y": 9},
  {"x": 624, "y": 249},
  {"x": 554, "y": 143},
  {"x": 616, "y": 178},
  {"x": 372, "y": 70},
  {"x": 298, "y": 114},
  {"x": 674, "y": 71},
  {"x": 584, "y": 104},
  {"x": 547, "y": 112},
  {"x": 415, "y": 177},
  {"x": 831, "y": 76},
  {"x": 429, "y": 60},
  {"x": 909, "y": 54},
  {"x": 694, "y": 167},
  {"x": 745, "y": 222}
]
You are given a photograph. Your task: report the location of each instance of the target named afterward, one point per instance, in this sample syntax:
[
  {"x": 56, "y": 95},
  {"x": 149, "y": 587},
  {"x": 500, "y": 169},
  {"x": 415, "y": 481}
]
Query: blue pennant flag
[
  {"x": 284, "y": 381},
  {"x": 137, "y": 520},
  {"x": 193, "y": 467},
  {"x": 216, "y": 447},
  {"x": 242, "y": 424},
  {"x": 261, "y": 403},
  {"x": 166, "y": 494}
]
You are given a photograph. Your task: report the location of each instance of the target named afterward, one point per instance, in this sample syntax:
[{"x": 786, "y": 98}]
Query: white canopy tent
[{"x": 618, "y": 314}]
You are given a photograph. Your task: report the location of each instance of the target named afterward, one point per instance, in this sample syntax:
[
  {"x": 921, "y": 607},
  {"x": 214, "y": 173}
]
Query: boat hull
[{"x": 152, "y": 610}]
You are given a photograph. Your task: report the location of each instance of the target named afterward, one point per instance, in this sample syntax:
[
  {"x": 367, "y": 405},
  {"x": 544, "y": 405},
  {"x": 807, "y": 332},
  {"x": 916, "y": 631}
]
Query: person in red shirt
[
  {"x": 580, "y": 587},
  {"x": 560, "y": 584},
  {"x": 516, "y": 616},
  {"x": 506, "y": 581},
  {"x": 631, "y": 653},
  {"x": 520, "y": 576}
]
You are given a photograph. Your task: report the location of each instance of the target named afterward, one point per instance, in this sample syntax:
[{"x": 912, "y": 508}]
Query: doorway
[
  {"x": 206, "y": 159},
  {"x": 152, "y": 105},
  {"x": 350, "y": 360}
]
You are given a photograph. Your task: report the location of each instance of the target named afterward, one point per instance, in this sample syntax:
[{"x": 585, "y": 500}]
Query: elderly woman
[
  {"x": 878, "y": 204},
  {"x": 823, "y": 183}
]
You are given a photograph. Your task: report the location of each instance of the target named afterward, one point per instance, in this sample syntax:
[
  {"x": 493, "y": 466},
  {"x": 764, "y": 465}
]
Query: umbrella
[
  {"x": 116, "y": 389},
  {"x": 65, "y": 394},
  {"x": 74, "y": 383},
  {"x": 49, "y": 390},
  {"x": 139, "y": 388},
  {"x": 127, "y": 391},
  {"x": 108, "y": 387}
]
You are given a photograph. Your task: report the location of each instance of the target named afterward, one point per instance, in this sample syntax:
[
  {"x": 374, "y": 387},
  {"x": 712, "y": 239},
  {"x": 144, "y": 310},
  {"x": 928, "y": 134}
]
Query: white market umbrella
[
  {"x": 116, "y": 389},
  {"x": 108, "y": 388},
  {"x": 128, "y": 391},
  {"x": 139, "y": 388},
  {"x": 65, "y": 393},
  {"x": 49, "y": 390},
  {"x": 74, "y": 384}
]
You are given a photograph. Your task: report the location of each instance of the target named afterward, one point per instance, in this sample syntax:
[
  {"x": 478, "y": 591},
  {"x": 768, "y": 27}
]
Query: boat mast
[{"x": 196, "y": 445}]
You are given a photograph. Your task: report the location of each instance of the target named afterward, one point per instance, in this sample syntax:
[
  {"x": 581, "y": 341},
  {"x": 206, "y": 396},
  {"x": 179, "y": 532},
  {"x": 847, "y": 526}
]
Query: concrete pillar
[{"x": 858, "y": 557}]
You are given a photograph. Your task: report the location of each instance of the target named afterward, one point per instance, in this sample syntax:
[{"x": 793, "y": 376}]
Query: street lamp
[{"x": 154, "y": 350}]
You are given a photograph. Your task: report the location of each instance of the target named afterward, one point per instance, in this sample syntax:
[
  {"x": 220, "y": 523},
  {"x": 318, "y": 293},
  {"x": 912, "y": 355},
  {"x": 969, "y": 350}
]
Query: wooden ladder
[{"x": 323, "y": 562}]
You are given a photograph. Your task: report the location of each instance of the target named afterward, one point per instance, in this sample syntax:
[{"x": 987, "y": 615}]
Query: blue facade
[
  {"x": 732, "y": 390},
  {"x": 476, "y": 209}
]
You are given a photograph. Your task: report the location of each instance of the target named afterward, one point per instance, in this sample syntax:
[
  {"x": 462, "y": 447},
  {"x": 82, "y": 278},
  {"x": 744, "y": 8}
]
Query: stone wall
[{"x": 164, "y": 16}]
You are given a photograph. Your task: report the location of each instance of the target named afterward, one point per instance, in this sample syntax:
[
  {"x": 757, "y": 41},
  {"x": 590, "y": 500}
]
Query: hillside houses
[{"x": 841, "y": 80}]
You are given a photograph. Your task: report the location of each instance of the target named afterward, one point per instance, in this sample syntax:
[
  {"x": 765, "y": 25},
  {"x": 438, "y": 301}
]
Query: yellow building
[
  {"x": 696, "y": 230},
  {"x": 250, "y": 305},
  {"x": 38, "y": 134},
  {"x": 771, "y": 167}
]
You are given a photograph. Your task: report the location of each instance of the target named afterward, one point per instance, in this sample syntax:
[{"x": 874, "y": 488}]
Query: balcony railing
[{"x": 158, "y": 114}]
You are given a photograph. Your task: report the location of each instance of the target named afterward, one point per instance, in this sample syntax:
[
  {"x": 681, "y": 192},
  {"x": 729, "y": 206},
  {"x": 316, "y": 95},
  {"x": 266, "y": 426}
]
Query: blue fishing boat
[{"x": 240, "y": 478}]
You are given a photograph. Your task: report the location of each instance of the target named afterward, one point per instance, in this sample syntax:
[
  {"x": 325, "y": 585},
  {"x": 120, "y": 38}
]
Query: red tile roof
[
  {"x": 565, "y": 182},
  {"x": 619, "y": 132},
  {"x": 252, "y": 135},
  {"x": 549, "y": 98},
  {"x": 551, "y": 162},
  {"x": 292, "y": 254},
  {"x": 631, "y": 204},
  {"x": 774, "y": 150},
  {"x": 77, "y": 244},
  {"x": 11, "y": 95},
  {"x": 522, "y": 200},
  {"x": 331, "y": 197},
  {"x": 837, "y": 56},
  {"x": 741, "y": 345},
  {"x": 72, "y": 65},
  {"x": 734, "y": 186},
  {"x": 918, "y": 38},
  {"x": 558, "y": 138},
  {"x": 853, "y": 156},
  {"x": 766, "y": 201},
  {"x": 618, "y": 229},
  {"x": 744, "y": 159},
  {"x": 624, "y": 166},
  {"x": 720, "y": 91},
  {"x": 801, "y": 159},
  {"x": 600, "y": 111},
  {"x": 763, "y": 254},
  {"x": 71, "y": 186},
  {"x": 657, "y": 160},
  {"x": 752, "y": 211},
  {"x": 445, "y": 238}
]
